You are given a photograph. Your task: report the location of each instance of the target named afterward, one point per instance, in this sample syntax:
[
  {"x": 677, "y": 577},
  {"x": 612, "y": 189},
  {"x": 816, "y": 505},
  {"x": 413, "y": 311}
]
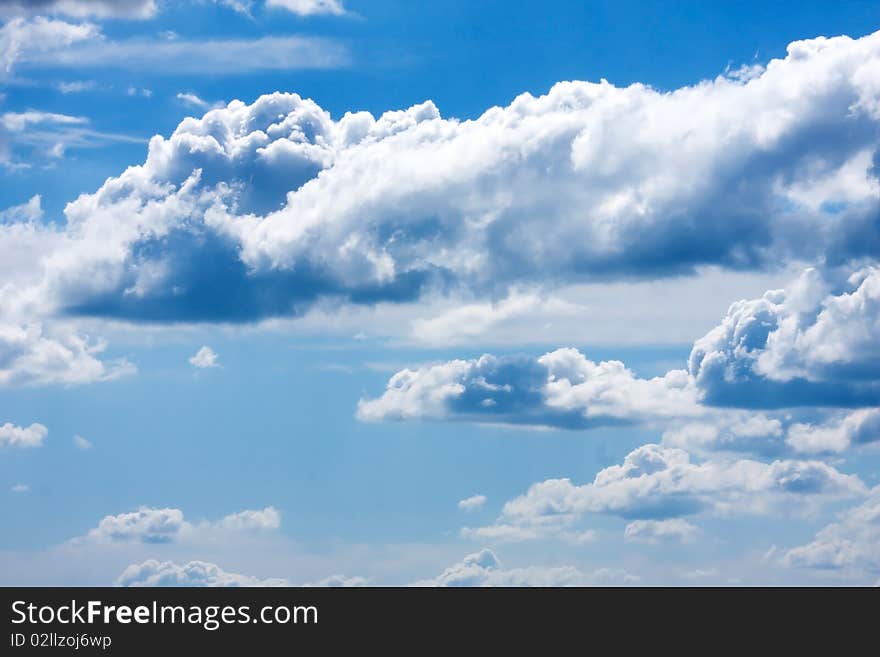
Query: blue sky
[{"x": 293, "y": 335}]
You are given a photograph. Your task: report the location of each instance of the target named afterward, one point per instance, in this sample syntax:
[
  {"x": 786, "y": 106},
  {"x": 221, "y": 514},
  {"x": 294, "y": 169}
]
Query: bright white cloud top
[
  {"x": 483, "y": 568},
  {"x": 472, "y": 503},
  {"x": 205, "y": 358},
  {"x": 152, "y": 525},
  {"x": 641, "y": 184},
  {"x": 192, "y": 573},
  {"x": 654, "y": 482},
  {"x": 14, "y": 436}
]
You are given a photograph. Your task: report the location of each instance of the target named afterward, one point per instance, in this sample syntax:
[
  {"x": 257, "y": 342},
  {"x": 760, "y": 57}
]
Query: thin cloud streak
[{"x": 228, "y": 56}]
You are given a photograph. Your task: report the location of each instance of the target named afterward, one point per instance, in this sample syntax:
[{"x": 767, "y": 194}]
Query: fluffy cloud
[
  {"x": 244, "y": 521},
  {"x": 24, "y": 214},
  {"x": 733, "y": 431},
  {"x": 13, "y": 436},
  {"x": 146, "y": 525},
  {"x": 851, "y": 545},
  {"x": 759, "y": 433},
  {"x": 80, "y": 8},
  {"x": 657, "y": 531},
  {"x": 204, "y": 357},
  {"x": 193, "y": 573},
  {"x": 484, "y": 569},
  {"x": 152, "y": 525},
  {"x": 858, "y": 428},
  {"x": 560, "y": 389},
  {"x": 259, "y": 210},
  {"x": 38, "y": 355},
  {"x": 308, "y": 7},
  {"x": 814, "y": 343},
  {"x": 657, "y": 483},
  {"x": 472, "y": 503}
]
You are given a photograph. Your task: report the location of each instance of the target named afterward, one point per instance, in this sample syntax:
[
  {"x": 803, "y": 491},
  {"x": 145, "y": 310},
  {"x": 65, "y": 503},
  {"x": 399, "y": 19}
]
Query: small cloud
[
  {"x": 57, "y": 151},
  {"x": 309, "y": 7},
  {"x": 135, "y": 91},
  {"x": 20, "y": 488},
  {"x": 192, "y": 100},
  {"x": 76, "y": 86},
  {"x": 82, "y": 443},
  {"x": 205, "y": 357},
  {"x": 472, "y": 503}
]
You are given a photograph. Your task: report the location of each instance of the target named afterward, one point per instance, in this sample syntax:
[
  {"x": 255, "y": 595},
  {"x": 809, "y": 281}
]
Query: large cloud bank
[{"x": 259, "y": 210}]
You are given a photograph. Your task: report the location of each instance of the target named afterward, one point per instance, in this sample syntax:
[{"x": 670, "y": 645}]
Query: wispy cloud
[
  {"x": 51, "y": 134},
  {"x": 181, "y": 56},
  {"x": 132, "y": 9},
  {"x": 76, "y": 86},
  {"x": 192, "y": 100}
]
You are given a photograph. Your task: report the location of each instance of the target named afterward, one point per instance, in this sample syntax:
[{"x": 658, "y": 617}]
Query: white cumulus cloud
[
  {"x": 559, "y": 389},
  {"x": 166, "y": 525},
  {"x": 228, "y": 218},
  {"x": 204, "y": 358},
  {"x": 657, "y": 531},
  {"x": 192, "y": 573},
  {"x": 850, "y": 546},
  {"x": 472, "y": 503},
  {"x": 484, "y": 569},
  {"x": 15, "y": 436},
  {"x": 659, "y": 483}
]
